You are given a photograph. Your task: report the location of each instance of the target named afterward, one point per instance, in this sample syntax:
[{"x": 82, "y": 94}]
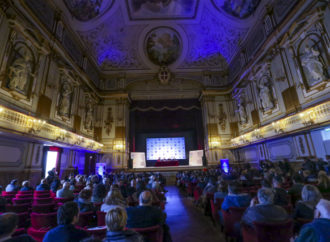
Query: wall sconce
[
  {"x": 308, "y": 117},
  {"x": 214, "y": 142},
  {"x": 278, "y": 127},
  {"x": 119, "y": 145},
  {"x": 35, "y": 125}
]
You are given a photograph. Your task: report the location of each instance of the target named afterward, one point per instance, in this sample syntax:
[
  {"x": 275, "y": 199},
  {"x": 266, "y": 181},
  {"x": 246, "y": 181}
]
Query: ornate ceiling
[{"x": 139, "y": 36}]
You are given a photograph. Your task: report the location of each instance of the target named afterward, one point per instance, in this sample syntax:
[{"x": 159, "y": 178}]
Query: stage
[{"x": 166, "y": 168}]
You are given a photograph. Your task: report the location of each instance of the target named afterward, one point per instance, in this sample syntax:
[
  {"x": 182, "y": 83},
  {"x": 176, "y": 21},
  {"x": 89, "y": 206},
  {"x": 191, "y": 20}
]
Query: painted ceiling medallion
[
  {"x": 237, "y": 8},
  {"x": 163, "y": 46},
  {"x": 162, "y": 9},
  {"x": 84, "y": 10}
]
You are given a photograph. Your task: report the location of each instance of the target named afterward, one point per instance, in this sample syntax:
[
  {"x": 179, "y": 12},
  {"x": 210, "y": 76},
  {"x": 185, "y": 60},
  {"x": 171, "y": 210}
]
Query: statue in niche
[
  {"x": 265, "y": 95},
  {"x": 310, "y": 60},
  {"x": 222, "y": 117},
  {"x": 108, "y": 122},
  {"x": 20, "y": 71},
  {"x": 242, "y": 112},
  {"x": 65, "y": 100},
  {"x": 89, "y": 116}
]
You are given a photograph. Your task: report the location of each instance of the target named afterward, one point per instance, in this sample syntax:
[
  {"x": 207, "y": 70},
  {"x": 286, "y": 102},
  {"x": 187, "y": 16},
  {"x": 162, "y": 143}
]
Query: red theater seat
[
  {"x": 270, "y": 232},
  {"x": 86, "y": 219},
  {"x": 37, "y": 234},
  {"x": 47, "y": 220},
  {"x": 43, "y": 208},
  {"x": 25, "y": 192},
  {"x": 100, "y": 218},
  {"x": 154, "y": 233},
  {"x": 43, "y": 200},
  {"x": 22, "y": 200},
  {"x": 63, "y": 200},
  {"x": 18, "y": 208},
  {"x": 28, "y": 195},
  {"x": 231, "y": 218}
]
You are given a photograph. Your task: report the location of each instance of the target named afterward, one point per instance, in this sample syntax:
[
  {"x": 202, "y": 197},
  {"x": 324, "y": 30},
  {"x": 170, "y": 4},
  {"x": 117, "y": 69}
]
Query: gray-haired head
[
  {"x": 311, "y": 194},
  {"x": 265, "y": 196},
  {"x": 145, "y": 198}
]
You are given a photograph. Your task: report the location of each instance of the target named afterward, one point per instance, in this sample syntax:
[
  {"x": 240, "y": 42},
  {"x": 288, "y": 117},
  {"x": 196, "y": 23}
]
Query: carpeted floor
[{"x": 186, "y": 222}]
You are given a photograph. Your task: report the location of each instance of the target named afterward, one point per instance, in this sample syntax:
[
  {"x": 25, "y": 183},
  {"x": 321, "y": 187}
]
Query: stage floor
[{"x": 167, "y": 168}]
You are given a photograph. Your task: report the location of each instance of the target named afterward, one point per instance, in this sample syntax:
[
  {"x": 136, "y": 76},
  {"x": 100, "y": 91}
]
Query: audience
[
  {"x": 67, "y": 216},
  {"x": 310, "y": 197},
  {"x": 221, "y": 192},
  {"x": 115, "y": 220},
  {"x": 26, "y": 186},
  {"x": 113, "y": 199},
  {"x": 281, "y": 197},
  {"x": 12, "y": 186},
  {"x": 65, "y": 192},
  {"x": 84, "y": 201},
  {"x": 235, "y": 198},
  {"x": 43, "y": 186},
  {"x": 266, "y": 211},
  {"x": 323, "y": 183},
  {"x": 99, "y": 190},
  {"x": 318, "y": 230},
  {"x": 8, "y": 225}
]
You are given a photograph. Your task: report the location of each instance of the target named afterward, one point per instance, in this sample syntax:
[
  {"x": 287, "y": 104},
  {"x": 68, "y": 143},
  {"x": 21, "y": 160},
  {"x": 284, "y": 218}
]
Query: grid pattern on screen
[{"x": 166, "y": 148}]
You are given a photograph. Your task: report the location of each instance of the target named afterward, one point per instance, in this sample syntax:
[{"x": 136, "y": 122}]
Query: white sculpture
[
  {"x": 65, "y": 101},
  {"x": 265, "y": 96},
  {"x": 20, "y": 71},
  {"x": 89, "y": 116},
  {"x": 242, "y": 113},
  {"x": 222, "y": 117},
  {"x": 311, "y": 61}
]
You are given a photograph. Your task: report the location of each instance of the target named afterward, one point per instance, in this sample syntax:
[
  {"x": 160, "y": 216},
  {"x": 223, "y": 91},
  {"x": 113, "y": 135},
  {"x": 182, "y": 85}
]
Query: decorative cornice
[
  {"x": 14, "y": 121},
  {"x": 306, "y": 119}
]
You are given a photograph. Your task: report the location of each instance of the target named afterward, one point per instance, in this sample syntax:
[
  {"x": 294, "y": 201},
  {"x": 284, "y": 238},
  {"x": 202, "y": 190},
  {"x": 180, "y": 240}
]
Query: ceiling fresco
[
  {"x": 84, "y": 10},
  {"x": 140, "y": 36},
  {"x": 161, "y": 9},
  {"x": 237, "y": 8}
]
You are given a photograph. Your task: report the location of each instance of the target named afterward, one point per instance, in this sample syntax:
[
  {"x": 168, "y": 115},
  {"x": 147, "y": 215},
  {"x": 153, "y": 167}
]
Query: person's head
[
  {"x": 8, "y": 224},
  {"x": 145, "y": 198},
  {"x": 297, "y": 178},
  {"x": 95, "y": 179},
  {"x": 233, "y": 188},
  {"x": 323, "y": 209},
  {"x": 43, "y": 181},
  {"x": 13, "y": 182},
  {"x": 116, "y": 219},
  {"x": 114, "y": 197},
  {"x": 323, "y": 181},
  {"x": 311, "y": 194},
  {"x": 25, "y": 184},
  {"x": 265, "y": 184},
  {"x": 85, "y": 194},
  {"x": 68, "y": 213},
  {"x": 66, "y": 185},
  {"x": 222, "y": 187},
  {"x": 277, "y": 181},
  {"x": 265, "y": 196}
]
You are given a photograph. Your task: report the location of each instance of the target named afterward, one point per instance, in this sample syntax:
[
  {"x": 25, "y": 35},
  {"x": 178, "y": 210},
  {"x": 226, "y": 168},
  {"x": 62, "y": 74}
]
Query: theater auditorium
[{"x": 165, "y": 120}]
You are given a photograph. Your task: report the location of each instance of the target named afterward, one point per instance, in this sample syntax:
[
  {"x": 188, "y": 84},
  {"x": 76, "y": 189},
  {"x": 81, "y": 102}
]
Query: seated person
[
  {"x": 12, "y": 186},
  {"x": 43, "y": 186},
  {"x": 3, "y": 202},
  {"x": 56, "y": 183},
  {"x": 144, "y": 215},
  {"x": 305, "y": 208},
  {"x": 318, "y": 230},
  {"x": 84, "y": 201},
  {"x": 281, "y": 197},
  {"x": 26, "y": 186},
  {"x": 115, "y": 220},
  {"x": 235, "y": 198},
  {"x": 113, "y": 199},
  {"x": 99, "y": 191},
  {"x": 266, "y": 211},
  {"x": 65, "y": 192},
  {"x": 221, "y": 191},
  {"x": 67, "y": 216},
  {"x": 323, "y": 183},
  {"x": 210, "y": 186},
  {"x": 8, "y": 225},
  {"x": 295, "y": 190}
]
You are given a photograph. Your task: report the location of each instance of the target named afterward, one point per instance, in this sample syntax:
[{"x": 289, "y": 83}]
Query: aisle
[{"x": 186, "y": 222}]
